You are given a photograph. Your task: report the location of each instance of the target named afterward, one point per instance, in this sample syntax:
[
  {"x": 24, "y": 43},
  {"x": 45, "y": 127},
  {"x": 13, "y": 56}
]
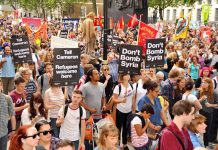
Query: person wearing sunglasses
[
  {"x": 26, "y": 138},
  {"x": 45, "y": 133},
  {"x": 107, "y": 80}
]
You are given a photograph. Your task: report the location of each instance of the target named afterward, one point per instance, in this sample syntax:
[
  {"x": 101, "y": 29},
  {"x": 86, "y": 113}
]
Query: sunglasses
[
  {"x": 33, "y": 136},
  {"x": 46, "y": 132},
  {"x": 106, "y": 69}
]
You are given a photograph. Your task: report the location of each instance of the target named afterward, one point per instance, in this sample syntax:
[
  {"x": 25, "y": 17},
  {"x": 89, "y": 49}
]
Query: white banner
[{"x": 57, "y": 42}]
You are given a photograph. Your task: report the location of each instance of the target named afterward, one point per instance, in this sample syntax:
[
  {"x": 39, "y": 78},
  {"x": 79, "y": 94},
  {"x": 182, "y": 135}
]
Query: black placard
[
  {"x": 64, "y": 34},
  {"x": 21, "y": 49},
  {"x": 155, "y": 50},
  {"x": 130, "y": 59},
  {"x": 66, "y": 66}
]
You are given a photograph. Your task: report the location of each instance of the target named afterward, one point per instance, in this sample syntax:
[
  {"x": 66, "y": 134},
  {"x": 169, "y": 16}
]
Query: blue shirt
[
  {"x": 194, "y": 71},
  {"x": 8, "y": 69},
  {"x": 81, "y": 69},
  {"x": 156, "y": 117},
  {"x": 196, "y": 140}
]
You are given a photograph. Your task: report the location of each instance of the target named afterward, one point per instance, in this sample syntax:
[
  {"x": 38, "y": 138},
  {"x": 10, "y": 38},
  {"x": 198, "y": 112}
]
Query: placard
[
  {"x": 21, "y": 49},
  {"x": 130, "y": 59},
  {"x": 63, "y": 34},
  {"x": 57, "y": 42},
  {"x": 155, "y": 50},
  {"x": 66, "y": 66}
]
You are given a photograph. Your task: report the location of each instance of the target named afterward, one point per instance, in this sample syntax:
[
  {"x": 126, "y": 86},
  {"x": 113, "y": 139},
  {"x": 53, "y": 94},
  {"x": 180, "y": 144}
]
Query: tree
[{"x": 162, "y": 4}]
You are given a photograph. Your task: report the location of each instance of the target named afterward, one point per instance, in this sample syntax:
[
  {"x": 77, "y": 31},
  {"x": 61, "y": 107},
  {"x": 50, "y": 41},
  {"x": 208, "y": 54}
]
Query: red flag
[
  {"x": 122, "y": 25},
  {"x": 111, "y": 23},
  {"x": 32, "y": 22},
  {"x": 145, "y": 32},
  {"x": 118, "y": 25},
  {"x": 133, "y": 21},
  {"x": 100, "y": 21}
]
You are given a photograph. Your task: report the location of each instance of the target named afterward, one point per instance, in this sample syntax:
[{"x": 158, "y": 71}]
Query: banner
[
  {"x": 133, "y": 21},
  {"x": 194, "y": 24},
  {"x": 66, "y": 66},
  {"x": 34, "y": 23},
  {"x": 21, "y": 49},
  {"x": 205, "y": 33},
  {"x": 57, "y": 42},
  {"x": 155, "y": 50},
  {"x": 130, "y": 59},
  {"x": 205, "y": 11},
  {"x": 63, "y": 34},
  {"x": 70, "y": 23},
  {"x": 182, "y": 27},
  {"x": 145, "y": 32}
]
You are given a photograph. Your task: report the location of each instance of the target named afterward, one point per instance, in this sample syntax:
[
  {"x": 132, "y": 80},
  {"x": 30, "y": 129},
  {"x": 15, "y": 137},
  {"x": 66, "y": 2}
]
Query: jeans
[
  {"x": 56, "y": 129},
  {"x": 145, "y": 147},
  {"x": 3, "y": 142},
  {"x": 76, "y": 144},
  {"x": 8, "y": 84},
  {"x": 121, "y": 123}
]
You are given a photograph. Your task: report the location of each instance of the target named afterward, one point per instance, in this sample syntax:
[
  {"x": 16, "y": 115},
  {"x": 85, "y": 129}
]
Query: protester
[
  {"x": 8, "y": 70},
  {"x": 139, "y": 125},
  {"x": 152, "y": 98},
  {"x": 138, "y": 87},
  {"x": 45, "y": 133},
  {"x": 30, "y": 87},
  {"x": 54, "y": 100},
  {"x": 113, "y": 66},
  {"x": 35, "y": 112},
  {"x": 176, "y": 132},
  {"x": 72, "y": 128},
  {"x": 25, "y": 138},
  {"x": 43, "y": 80},
  {"x": 107, "y": 80},
  {"x": 168, "y": 87},
  {"x": 188, "y": 96},
  {"x": 84, "y": 58},
  {"x": 194, "y": 68},
  {"x": 196, "y": 128},
  {"x": 93, "y": 93},
  {"x": 124, "y": 94},
  {"x": 179, "y": 89},
  {"x": 208, "y": 106},
  {"x": 19, "y": 100},
  {"x": 108, "y": 138},
  {"x": 65, "y": 145},
  {"x": 6, "y": 112}
]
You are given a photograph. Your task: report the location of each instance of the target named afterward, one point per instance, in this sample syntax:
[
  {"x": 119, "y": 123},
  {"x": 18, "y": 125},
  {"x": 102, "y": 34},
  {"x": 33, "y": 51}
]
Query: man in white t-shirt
[
  {"x": 139, "y": 124},
  {"x": 138, "y": 87},
  {"x": 72, "y": 121}
]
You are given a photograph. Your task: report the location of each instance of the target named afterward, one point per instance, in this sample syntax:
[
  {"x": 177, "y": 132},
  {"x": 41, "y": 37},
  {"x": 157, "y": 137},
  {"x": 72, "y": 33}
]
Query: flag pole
[{"x": 138, "y": 26}]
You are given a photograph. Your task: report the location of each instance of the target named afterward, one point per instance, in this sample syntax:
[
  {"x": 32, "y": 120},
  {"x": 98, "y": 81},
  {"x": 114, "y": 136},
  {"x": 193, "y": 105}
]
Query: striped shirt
[
  {"x": 138, "y": 141},
  {"x": 54, "y": 98}
]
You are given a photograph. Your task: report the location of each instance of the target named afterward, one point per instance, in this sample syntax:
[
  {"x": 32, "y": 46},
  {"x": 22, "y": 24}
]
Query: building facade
[{"x": 172, "y": 13}]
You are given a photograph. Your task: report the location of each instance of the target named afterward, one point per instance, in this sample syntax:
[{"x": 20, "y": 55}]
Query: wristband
[{"x": 13, "y": 130}]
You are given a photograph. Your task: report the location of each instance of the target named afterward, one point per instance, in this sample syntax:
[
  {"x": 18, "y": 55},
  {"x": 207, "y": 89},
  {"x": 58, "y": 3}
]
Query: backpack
[
  {"x": 129, "y": 120},
  {"x": 120, "y": 88},
  {"x": 178, "y": 138},
  {"x": 215, "y": 83},
  {"x": 80, "y": 114},
  {"x": 41, "y": 83}
]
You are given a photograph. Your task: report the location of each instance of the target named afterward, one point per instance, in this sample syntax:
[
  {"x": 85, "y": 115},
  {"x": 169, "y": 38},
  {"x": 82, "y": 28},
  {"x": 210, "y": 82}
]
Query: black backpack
[
  {"x": 129, "y": 120},
  {"x": 80, "y": 114},
  {"x": 120, "y": 88}
]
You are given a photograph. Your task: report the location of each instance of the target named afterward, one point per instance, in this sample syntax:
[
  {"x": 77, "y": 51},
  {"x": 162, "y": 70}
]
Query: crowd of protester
[{"x": 173, "y": 108}]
